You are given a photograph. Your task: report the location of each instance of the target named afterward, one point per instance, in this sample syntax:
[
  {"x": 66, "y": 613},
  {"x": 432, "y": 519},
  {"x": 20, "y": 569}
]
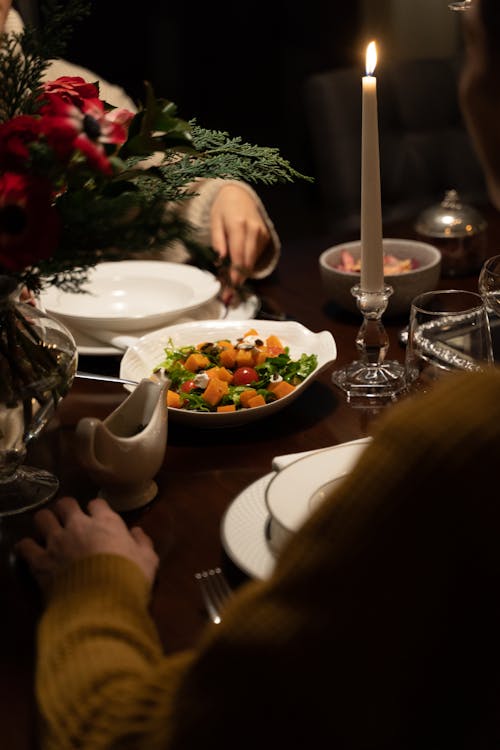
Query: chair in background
[{"x": 425, "y": 149}]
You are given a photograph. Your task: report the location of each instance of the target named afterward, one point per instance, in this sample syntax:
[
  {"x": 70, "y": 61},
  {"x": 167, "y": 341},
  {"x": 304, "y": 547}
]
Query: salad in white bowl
[{"x": 225, "y": 373}]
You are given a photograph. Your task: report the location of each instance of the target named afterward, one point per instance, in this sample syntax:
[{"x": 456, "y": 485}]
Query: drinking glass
[
  {"x": 489, "y": 284},
  {"x": 449, "y": 330},
  {"x": 460, "y": 5}
]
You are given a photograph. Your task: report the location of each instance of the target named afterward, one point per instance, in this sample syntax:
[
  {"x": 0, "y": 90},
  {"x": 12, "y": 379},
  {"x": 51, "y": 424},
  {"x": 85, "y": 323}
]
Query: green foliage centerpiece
[{"x": 82, "y": 182}]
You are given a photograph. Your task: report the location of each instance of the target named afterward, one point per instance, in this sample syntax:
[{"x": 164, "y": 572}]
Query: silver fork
[{"x": 215, "y": 591}]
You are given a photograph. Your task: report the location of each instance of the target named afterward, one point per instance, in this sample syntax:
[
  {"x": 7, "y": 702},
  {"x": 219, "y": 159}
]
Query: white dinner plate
[
  {"x": 245, "y": 526},
  {"x": 247, "y": 308},
  {"x": 142, "y": 358},
  {"x": 132, "y": 295}
]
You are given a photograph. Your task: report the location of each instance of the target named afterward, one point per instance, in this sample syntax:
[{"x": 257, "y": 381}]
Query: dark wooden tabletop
[{"x": 202, "y": 472}]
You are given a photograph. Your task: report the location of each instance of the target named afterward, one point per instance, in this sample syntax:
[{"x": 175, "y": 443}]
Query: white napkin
[{"x": 279, "y": 462}]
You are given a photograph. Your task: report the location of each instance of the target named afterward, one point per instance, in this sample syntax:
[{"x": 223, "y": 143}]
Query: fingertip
[
  {"x": 99, "y": 504},
  {"x": 140, "y": 536},
  {"x": 27, "y": 549},
  {"x": 66, "y": 501},
  {"x": 66, "y": 507},
  {"x": 227, "y": 296}
]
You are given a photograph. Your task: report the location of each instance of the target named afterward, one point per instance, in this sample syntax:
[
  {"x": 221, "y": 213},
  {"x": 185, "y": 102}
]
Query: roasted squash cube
[
  {"x": 244, "y": 358},
  {"x": 214, "y": 391},
  {"x": 260, "y": 355},
  {"x": 228, "y": 357},
  {"x": 220, "y": 372},
  {"x": 196, "y": 362},
  {"x": 257, "y": 400},
  {"x": 246, "y": 395},
  {"x": 174, "y": 400},
  {"x": 281, "y": 389}
]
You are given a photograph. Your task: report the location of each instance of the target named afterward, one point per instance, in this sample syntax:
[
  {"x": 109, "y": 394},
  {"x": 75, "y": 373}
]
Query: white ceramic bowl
[
  {"x": 406, "y": 285},
  {"x": 296, "y": 491},
  {"x": 142, "y": 358},
  {"x": 132, "y": 295}
]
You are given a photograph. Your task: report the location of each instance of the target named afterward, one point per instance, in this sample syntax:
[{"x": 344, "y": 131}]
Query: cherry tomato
[
  {"x": 245, "y": 376},
  {"x": 187, "y": 386}
]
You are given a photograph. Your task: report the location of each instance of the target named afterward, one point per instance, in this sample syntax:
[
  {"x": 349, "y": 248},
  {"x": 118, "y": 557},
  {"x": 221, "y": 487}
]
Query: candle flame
[{"x": 371, "y": 58}]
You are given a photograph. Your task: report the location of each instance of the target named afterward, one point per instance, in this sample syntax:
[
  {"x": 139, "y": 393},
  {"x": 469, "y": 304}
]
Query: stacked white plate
[
  {"x": 131, "y": 298},
  {"x": 262, "y": 517}
]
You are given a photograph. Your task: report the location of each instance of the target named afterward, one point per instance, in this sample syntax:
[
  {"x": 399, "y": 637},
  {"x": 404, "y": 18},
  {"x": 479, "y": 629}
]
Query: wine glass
[
  {"x": 449, "y": 330},
  {"x": 489, "y": 284},
  {"x": 39, "y": 360},
  {"x": 460, "y": 5}
]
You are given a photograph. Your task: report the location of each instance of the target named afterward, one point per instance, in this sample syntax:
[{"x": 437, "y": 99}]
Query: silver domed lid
[{"x": 450, "y": 219}]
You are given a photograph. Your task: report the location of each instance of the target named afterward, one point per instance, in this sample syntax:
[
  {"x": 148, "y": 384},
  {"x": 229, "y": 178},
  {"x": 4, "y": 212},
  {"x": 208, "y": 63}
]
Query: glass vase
[{"x": 38, "y": 361}]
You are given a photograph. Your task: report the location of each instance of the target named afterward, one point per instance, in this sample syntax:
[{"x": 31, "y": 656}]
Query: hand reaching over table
[{"x": 238, "y": 232}]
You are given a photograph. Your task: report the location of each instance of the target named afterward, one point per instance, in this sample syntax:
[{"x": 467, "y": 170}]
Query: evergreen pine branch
[
  {"x": 59, "y": 17},
  {"x": 232, "y": 157},
  {"x": 21, "y": 76},
  {"x": 24, "y": 57},
  {"x": 108, "y": 218}
]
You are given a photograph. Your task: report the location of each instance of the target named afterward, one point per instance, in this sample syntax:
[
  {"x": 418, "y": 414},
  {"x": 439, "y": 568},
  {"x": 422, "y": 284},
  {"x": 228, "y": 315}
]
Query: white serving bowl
[
  {"x": 132, "y": 295},
  {"x": 142, "y": 358},
  {"x": 406, "y": 286}
]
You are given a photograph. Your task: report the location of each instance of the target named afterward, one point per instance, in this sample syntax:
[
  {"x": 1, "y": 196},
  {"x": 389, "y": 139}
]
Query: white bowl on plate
[
  {"x": 406, "y": 285},
  {"x": 297, "y": 490},
  {"x": 142, "y": 358},
  {"x": 132, "y": 295}
]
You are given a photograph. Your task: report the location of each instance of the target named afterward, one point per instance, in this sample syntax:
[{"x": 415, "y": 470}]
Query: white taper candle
[{"x": 372, "y": 255}]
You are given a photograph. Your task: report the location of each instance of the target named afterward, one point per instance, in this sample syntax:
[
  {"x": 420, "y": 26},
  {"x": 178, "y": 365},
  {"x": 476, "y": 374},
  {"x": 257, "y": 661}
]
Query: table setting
[
  {"x": 124, "y": 300},
  {"x": 227, "y": 488},
  {"x": 261, "y": 518}
]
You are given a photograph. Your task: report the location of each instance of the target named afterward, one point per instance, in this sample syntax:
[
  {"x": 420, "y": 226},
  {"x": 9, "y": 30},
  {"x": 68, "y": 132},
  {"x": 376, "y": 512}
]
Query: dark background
[{"x": 234, "y": 67}]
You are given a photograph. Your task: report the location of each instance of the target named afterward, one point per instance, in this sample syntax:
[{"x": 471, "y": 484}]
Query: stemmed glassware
[
  {"x": 460, "y": 5},
  {"x": 489, "y": 284},
  {"x": 38, "y": 358}
]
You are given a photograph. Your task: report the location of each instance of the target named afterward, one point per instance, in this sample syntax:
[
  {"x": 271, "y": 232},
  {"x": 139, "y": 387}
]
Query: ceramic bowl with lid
[{"x": 459, "y": 231}]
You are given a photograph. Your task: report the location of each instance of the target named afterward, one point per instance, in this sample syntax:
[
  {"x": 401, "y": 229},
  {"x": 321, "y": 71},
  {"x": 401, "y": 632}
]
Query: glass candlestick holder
[{"x": 371, "y": 376}]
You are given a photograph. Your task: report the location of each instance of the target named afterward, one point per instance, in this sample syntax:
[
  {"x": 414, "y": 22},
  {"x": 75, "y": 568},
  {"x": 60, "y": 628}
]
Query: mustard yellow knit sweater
[{"x": 380, "y": 627}]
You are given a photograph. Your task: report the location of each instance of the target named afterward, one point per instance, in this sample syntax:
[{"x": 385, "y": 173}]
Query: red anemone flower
[
  {"x": 67, "y": 128},
  {"x": 15, "y": 137},
  {"x": 29, "y": 224},
  {"x": 72, "y": 90}
]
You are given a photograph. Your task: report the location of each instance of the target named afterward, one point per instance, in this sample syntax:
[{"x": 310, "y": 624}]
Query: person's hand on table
[
  {"x": 238, "y": 232},
  {"x": 69, "y": 533}
]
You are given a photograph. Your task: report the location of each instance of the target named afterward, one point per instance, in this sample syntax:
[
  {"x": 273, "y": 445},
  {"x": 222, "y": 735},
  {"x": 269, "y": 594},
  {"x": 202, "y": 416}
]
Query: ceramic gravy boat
[{"x": 125, "y": 451}]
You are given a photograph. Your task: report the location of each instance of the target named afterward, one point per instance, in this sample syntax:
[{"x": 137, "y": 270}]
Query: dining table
[{"x": 203, "y": 469}]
